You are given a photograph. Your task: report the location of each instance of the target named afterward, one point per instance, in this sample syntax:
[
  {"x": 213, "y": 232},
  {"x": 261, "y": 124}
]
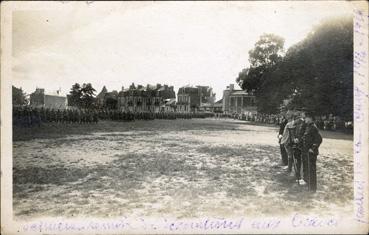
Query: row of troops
[
  {"x": 330, "y": 122},
  {"x": 118, "y": 115},
  {"x": 27, "y": 116},
  {"x": 299, "y": 140}
]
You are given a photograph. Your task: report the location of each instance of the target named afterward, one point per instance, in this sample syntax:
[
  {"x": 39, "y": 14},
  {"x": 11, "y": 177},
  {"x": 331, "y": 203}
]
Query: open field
[{"x": 181, "y": 168}]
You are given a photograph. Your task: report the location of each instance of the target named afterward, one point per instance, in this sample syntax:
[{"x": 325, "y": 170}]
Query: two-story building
[
  {"x": 144, "y": 99},
  {"x": 238, "y": 101},
  {"x": 195, "y": 98},
  {"x": 50, "y": 100}
]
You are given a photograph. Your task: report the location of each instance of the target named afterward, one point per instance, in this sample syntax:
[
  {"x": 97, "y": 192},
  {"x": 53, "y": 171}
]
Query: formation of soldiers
[
  {"x": 27, "y": 116},
  {"x": 117, "y": 115}
]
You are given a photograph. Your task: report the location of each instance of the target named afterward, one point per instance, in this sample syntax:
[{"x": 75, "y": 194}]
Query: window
[
  {"x": 232, "y": 101},
  {"x": 239, "y": 101}
]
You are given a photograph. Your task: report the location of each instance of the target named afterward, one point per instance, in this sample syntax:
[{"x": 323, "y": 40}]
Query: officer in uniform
[
  {"x": 310, "y": 151},
  {"x": 300, "y": 127}
]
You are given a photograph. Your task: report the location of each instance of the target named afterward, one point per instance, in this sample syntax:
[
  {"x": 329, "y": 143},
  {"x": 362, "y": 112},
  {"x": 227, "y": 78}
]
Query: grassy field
[{"x": 180, "y": 168}]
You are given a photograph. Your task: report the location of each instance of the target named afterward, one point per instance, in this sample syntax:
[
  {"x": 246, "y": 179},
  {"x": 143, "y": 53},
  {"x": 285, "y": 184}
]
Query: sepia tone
[{"x": 185, "y": 120}]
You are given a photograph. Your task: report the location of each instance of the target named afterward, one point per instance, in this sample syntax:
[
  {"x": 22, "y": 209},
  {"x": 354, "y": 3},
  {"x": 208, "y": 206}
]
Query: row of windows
[
  {"x": 139, "y": 99},
  {"x": 183, "y": 108},
  {"x": 183, "y": 98}
]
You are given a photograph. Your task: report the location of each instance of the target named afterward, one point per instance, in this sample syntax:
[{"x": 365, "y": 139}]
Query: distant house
[
  {"x": 150, "y": 98},
  {"x": 194, "y": 99},
  {"x": 218, "y": 106},
  {"x": 107, "y": 99},
  {"x": 100, "y": 98},
  {"x": 169, "y": 105},
  {"x": 238, "y": 101},
  {"x": 51, "y": 100}
]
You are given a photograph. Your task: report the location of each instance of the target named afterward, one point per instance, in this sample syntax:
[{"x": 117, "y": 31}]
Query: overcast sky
[{"x": 176, "y": 43}]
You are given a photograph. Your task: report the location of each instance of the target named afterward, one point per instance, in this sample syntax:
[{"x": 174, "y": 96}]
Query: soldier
[
  {"x": 300, "y": 126},
  {"x": 311, "y": 142},
  {"x": 96, "y": 116},
  {"x": 286, "y": 139},
  {"x": 284, "y": 155}
]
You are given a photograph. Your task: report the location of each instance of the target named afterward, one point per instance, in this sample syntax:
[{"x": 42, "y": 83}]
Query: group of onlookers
[{"x": 323, "y": 122}]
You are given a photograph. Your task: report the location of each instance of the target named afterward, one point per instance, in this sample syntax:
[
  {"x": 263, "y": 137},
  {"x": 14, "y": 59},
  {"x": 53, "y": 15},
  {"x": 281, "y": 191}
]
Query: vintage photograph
[{"x": 183, "y": 110}]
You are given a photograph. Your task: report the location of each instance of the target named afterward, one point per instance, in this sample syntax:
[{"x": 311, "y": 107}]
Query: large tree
[
  {"x": 316, "y": 73},
  {"x": 264, "y": 58},
  {"x": 322, "y": 66},
  {"x": 88, "y": 95},
  {"x": 75, "y": 95},
  {"x": 82, "y": 97}
]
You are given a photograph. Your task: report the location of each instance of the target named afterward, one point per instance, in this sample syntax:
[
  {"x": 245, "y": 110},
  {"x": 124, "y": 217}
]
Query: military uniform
[
  {"x": 311, "y": 142},
  {"x": 297, "y": 150},
  {"x": 283, "y": 150}
]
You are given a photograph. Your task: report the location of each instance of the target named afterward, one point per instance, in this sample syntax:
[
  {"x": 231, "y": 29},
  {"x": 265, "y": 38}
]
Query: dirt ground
[{"x": 179, "y": 168}]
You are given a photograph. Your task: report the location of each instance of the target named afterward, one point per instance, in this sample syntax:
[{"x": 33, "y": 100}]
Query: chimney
[
  {"x": 158, "y": 85},
  {"x": 231, "y": 87},
  {"x": 122, "y": 88}
]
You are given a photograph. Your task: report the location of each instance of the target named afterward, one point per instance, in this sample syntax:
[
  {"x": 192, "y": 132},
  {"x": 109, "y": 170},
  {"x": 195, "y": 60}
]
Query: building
[
  {"x": 238, "y": 101},
  {"x": 107, "y": 99},
  {"x": 194, "y": 99},
  {"x": 100, "y": 98},
  {"x": 52, "y": 100},
  {"x": 144, "y": 99},
  {"x": 169, "y": 105},
  {"x": 218, "y": 106}
]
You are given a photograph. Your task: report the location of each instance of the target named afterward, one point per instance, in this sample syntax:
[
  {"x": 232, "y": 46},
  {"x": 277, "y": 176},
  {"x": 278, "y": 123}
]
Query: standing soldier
[
  {"x": 284, "y": 155},
  {"x": 311, "y": 142},
  {"x": 286, "y": 139},
  {"x": 96, "y": 117},
  {"x": 300, "y": 127}
]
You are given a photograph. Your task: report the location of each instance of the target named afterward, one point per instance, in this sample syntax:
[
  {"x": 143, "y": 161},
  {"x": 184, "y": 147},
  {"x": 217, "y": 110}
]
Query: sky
[{"x": 175, "y": 43}]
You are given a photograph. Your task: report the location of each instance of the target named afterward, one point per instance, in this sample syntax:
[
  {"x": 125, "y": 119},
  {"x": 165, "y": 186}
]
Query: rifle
[{"x": 291, "y": 130}]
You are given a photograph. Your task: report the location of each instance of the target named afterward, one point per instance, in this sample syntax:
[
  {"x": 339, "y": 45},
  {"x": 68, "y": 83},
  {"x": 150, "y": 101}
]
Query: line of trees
[{"x": 316, "y": 73}]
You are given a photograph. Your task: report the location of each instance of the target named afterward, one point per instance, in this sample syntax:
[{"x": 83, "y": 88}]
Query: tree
[
  {"x": 316, "y": 73},
  {"x": 322, "y": 66},
  {"x": 75, "y": 96},
  {"x": 82, "y": 97},
  {"x": 88, "y": 95},
  {"x": 263, "y": 59},
  {"x": 267, "y": 52},
  {"x": 18, "y": 96}
]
